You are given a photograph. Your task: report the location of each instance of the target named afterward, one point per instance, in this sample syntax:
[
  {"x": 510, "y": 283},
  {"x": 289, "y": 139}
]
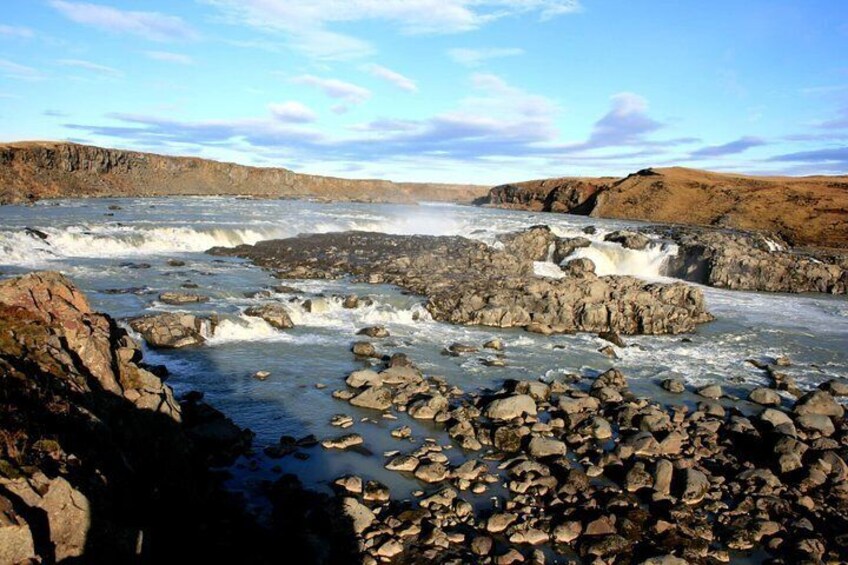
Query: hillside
[
  {"x": 35, "y": 170},
  {"x": 805, "y": 211}
]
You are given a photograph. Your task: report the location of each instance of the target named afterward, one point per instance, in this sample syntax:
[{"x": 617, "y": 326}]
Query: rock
[
  {"x": 363, "y": 378},
  {"x": 350, "y": 302},
  {"x": 710, "y": 391},
  {"x": 350, "y": 484},
  {"x": 579, "y": 267},
  {"x": 598, "y": 428},
  {"x": 16, "y": 544},
  {"x": 390, "y": 549},
  {"x": 261, "y": 375},
  {"x": 374, "y": 332},
  {"x": 613, "y": 338},
  {"x": 819, "y": 402},
  {"x": 675, "y": 386},
  {"x": 171, "y": 330},
  {"x": 765, "y": 397},
  {"x": 511, "y": 557},
  {"x": 316, "y": 305},
  {"x": 629, "y": 240},
  {"x": 776, "y": 417},
  {"x": 402, "y": 432},
  {"x": 665, "y": 560},
  {"x": 175, "y": 263},
  {"x": 364, "y": 349},
  {"x": 609, "y": 351},
  {"x": 511, "y": 407},
  {"x": 663, "y": 473},
  {"x": 343, "y": 442},
  {"x": 540, "y": 447},
  {"x": 375, "y": 491},
  {"x": 178, "y": 298},
  {"x": 431, "y": 472},
  {"x": 375, "y": 398},
  {"x": 576, "y": 405},
  {"x": 427, "y": 407},
  {"x": 695, "y": 486},
  {"x": 360, "y": 515},
  {"x": 567, "y": 532},
  {"x": 497, "y": 345},
  {"x": 404, "y": 463},
  {"x": 481, "y": 545},
  {"x": 275, "y": 315},
  {"x": 608, "y": 546},
  {"x": 500, "y": 522},
  {"x": 835, "y": 387},
  {"x": 460, "y": 348},
  {"x": 816, "y": 423}
]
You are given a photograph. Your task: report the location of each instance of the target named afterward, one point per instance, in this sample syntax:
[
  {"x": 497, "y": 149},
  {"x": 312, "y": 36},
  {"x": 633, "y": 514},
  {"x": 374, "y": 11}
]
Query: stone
[
  {"x": 675, "y": 386},
  {"x": 540, "y": 447},
  {"x": 576, "y": 405},
  {"x": 178, "y": 298},
  {"x": 390, "y": 548},
  {"x": 374, "y": 332},
  {"x": 628, "y": 240},
  {"x": 775, "y": 417},
  {"x": 819, "y": 402},
  {"x": 499, "y": 522},
  {"x": 835, "y": 387},
  {"x": 426, "y": 408},
  {"x": 481, "y": 545},
  {"x": 360, "y": 515},
  {"x": 765, "y": 397},
  {"x": 364, "y": 349},
  {"x": 710, "y": 391},
  {"x": 343, "y": 442},
  {"x": 406, "y": 463},
  {"x": 695, "y": 486},
  {"x": 363, "y": 378},
  {"x": 511, "y": 407},
  {"x": 567, "y": 532},
  {"x": 816, "y": 423},
  {"x": 431, "y": 472},
  {"x": 496, "y": 345},
  {"x": 276, "y": 315},
  {"x": 172, "y": 330},
  {"x": 664, "y": 560},
  {"x": 375, "y": 398},
  {"x": 16, "y": 543},
  {"x": 350, "y": 483},
  {"x": 375, "y": 491},
  {"x": 316, "y": 305}
]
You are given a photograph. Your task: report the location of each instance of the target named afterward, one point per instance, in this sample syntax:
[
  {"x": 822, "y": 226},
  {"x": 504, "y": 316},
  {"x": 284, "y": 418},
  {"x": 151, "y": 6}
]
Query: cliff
[
  {"x": 35, "y": 170},
  {"x": 804, "y": 211}
]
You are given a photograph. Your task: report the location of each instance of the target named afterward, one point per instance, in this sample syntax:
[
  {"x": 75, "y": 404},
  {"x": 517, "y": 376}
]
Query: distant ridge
[
  {"x": 35, "y": 170},
  {"x": 804, "y": 211}
]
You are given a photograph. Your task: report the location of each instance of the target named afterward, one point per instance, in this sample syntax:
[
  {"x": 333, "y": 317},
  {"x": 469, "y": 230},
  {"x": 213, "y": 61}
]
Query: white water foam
[{"x": 613, "y": 259}]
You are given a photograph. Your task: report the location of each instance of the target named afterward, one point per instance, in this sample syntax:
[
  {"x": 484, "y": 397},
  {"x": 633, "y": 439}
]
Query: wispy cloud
[
  {"x": 397, "y": 79},
  {"x": 476, "y": 57},
  {"x": 833, "y": 155},
  {"x": 292, "y": 111},
  {"x": 16, "y": 71},
  {"x": 308, "y": 25},
  {"x": 55, "y": 114},
  {"x": 154, "y": 26},
  {"x": 16, "y": 31},
  {"x": 732, "y": 148},
  {"x": 334, "y": 88},
  {"x": 89, "y": 66},
  {"x": 626, "y": 123},
  {"x": 168, "y": 57}
]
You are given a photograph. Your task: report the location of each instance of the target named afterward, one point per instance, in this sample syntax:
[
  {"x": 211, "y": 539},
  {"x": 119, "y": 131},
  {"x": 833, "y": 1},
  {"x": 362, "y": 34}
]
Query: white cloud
[
  {"x": 16, "y": 31},
  {"x": 15, "y": 71},
  {"x": 402, "y": 82},
  {"x": 169, "y": 57},
  {"x": 292, "y": 112},
  {"x": 154, "y": 26},
  {"x": 476, "y": 57},
  {"x": 335, "y": 88},
  {"x": 89, "y": 66},
  {"x": 307, "y": 24}
]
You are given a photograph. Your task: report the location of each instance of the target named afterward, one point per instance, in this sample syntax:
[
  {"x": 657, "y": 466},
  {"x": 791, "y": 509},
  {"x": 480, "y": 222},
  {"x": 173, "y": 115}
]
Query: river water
[{"x": 106, "y": 245}]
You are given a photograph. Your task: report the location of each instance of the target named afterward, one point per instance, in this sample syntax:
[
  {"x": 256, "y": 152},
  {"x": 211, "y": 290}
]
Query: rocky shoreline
[{"x": 468, "y": 282}]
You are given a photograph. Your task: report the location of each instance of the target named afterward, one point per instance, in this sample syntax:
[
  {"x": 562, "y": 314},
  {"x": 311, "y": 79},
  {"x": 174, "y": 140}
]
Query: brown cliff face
[
  {"x": 807, "y": 211},
  {"x": 35, "y": 170}
]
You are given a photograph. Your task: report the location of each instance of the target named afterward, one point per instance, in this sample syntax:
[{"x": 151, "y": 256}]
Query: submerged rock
[{"x": 275, "y": 315}]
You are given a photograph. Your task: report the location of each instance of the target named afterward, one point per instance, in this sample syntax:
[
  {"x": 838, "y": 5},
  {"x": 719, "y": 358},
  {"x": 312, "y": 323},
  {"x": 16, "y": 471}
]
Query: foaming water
[{"x": 613, "y": 259}]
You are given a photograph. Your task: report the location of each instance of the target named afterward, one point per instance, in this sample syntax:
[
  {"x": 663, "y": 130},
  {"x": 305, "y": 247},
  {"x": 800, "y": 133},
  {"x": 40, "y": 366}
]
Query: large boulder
[
  {"x": 511, "y": 407},
  {"x": 172, "y": 330},
  {"x": 275, "y": 314}
]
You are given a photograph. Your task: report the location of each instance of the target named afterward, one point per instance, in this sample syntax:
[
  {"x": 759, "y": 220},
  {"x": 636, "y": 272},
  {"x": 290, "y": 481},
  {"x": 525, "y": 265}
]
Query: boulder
[
  {"x": 178, "y": 298},
  {"x": 173, "y": 330},
  {"x": 819, "y": 402},
  {"x": 375, "y": 398},
  {"x": 276, "y": 315},
  {"x": 540, "y": 447},
  {"x": 765, "y": 397},
  {"x": 511, "y": 407}
]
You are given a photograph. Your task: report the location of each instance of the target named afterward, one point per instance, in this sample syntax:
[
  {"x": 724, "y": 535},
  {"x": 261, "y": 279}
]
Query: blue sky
[{"x": 482, "y": 91}]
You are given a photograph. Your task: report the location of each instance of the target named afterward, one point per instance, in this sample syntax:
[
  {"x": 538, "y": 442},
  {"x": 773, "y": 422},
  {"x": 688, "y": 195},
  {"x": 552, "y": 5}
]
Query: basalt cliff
[
  {"x": 35, "y": 170},
  {"x": 803, "y": 211}
]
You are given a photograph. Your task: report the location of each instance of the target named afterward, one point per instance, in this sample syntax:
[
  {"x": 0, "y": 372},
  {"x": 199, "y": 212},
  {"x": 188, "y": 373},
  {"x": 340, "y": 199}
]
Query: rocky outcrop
[
  {"x": 743, "y": 261},
  {"x": 35, "y": 170},
  {"x": 804, "y": 211},
  {"x": 173, "y": 330},
  {"x": 468, "y": 282},
  {"x": 100, "y": 464}
]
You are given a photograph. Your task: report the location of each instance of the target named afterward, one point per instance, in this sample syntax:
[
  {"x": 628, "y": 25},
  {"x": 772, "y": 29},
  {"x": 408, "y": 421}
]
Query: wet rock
[
  {"x": 500, "y": 522},
  {"x": 431, "y": 472},
  {"x": 364, "y": 349},
  {"x": 351, "y": 484},
  {"x": 175, "y": 263},
  {"x": 820, "y": 403},
  {"x": 511, "y": 407},
  {"x": 375, "y": 491},
  {"x": 481, "y": 545},
  {"x": 710, "y": 391},
  {"x": 172, "y": 330},
  {"x": 375, "y": 398},
  {"x": 511, "y": 557},
  {"x": 316, "y": 305},
  {"x": 835, "y": 387},
  {"x": 350, "y": 302},
  {"x": 402, "y": 432},
  {"x": 374, "y": 332},
  {"x": 570, "y": 405},
  {"x": 404, "y": 463},
  {"x": 509, "y": 438},
  {"x": 540, "y": 447},
  {"x": 629, "y": 240},
  {"x": 343, "y": 442},
  {"x": 427, "y": 407},
  {"x": 609, "y": 351},
  {"x": 261, "y": 375},
  {"x": 178, "y": 298},
  {"x": 460, "y": 348},
  {"x": 613, "y": 338},
  {"x": 607, "y": 546},
  {"x": 567, "y": 532},
  {"x": 674, "y": 385},
  {"x": 363, "y": 378},
  {"x": 361, "y": 516},
  {"x": 695, "y": 486},
  {"x": 765, "y": 397},
  {"x": 495, "y": 344},
  {"x": 665, "y": 560},
  {"x": 275, "y": 315},
  {"x": 816, "y": 423}
]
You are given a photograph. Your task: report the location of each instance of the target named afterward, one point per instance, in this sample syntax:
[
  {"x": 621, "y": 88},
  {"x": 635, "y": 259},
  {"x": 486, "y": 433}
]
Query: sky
[{"x": 467, "y": 91}]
